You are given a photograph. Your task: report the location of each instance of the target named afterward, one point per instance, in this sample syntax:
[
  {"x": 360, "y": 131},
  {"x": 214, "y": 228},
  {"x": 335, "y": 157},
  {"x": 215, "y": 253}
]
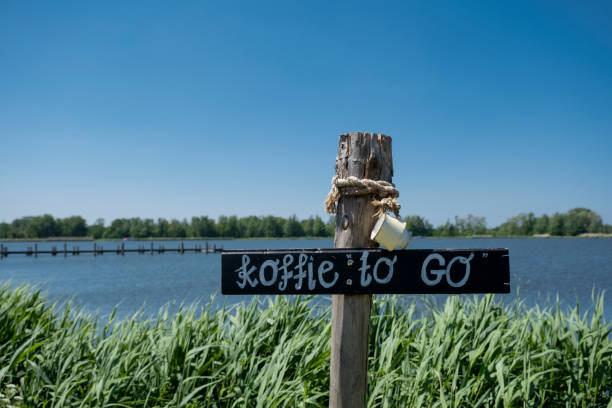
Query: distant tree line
[
  {"x": 572, "y": 223},
  {"x": 45, "y": 226}
]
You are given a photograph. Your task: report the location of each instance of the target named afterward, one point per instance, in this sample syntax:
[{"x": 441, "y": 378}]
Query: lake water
[{"x": 540, "y": 270}]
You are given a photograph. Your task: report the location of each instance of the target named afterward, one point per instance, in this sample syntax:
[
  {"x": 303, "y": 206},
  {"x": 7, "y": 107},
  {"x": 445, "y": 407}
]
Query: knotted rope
[{"x": 384, "y": 194}]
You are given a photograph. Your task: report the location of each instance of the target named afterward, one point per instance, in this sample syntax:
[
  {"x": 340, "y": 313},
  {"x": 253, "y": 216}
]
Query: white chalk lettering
[
  {"x": 438, "y": 273},
  {"x": 365, "y": 277},
  {"x": 311, "y": 281},
  {"x": 245, "y": 274},
  {"x": 289, "y": 272},
  {"x": 389, "y": 263},
  {"x": 327, "y": 266},
  {"x": 270, "y": 263},
  {"x": 466, "y": 262},
  {"x": 286, "y": 275},
  {"x": 301, "y": 272}
]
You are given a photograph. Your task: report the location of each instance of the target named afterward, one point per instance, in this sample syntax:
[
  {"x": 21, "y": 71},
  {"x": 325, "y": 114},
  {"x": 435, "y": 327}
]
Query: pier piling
[{"x": 117, "y": 249}]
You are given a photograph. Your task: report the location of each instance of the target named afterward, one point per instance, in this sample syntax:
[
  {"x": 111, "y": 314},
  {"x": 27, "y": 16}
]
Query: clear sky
[{"x": 177, "y": 108}]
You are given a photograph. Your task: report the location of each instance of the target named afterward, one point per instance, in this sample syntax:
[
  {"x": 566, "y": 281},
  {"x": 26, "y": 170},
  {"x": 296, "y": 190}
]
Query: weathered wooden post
[
  {"x": 65, "y": 250},
  {"x": 361, "y": 155},
  {"x": 95, "y": 252},
  {"x": 123, "y": 248},
  {"x": 36, "y": 250}
]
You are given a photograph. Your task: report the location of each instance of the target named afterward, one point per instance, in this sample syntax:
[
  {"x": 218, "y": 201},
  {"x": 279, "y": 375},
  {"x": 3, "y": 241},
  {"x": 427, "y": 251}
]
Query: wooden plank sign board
[{"x": 365, "y": 271}]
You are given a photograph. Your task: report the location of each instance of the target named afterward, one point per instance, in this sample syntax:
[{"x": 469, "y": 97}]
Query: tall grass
[{"x": 467, "y": 353}]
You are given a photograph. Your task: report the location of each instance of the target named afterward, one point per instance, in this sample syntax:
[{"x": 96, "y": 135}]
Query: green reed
[{"x": 470, "y": 352}]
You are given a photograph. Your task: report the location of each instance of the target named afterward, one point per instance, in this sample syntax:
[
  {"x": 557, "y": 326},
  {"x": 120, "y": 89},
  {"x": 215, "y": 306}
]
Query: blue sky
[{"x": 174, "y": 109}]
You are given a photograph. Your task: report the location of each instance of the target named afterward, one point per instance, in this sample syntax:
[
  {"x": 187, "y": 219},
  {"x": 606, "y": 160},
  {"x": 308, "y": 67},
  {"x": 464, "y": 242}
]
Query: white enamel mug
[{"x": 390, "y": 233}]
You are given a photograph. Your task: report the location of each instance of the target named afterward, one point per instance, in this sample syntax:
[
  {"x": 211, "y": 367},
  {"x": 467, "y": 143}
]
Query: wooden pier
[{"x": 118, "y": 250}]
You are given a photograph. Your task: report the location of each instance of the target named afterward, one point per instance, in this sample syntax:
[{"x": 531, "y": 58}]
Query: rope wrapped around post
[{"x": 384, "y": 194}]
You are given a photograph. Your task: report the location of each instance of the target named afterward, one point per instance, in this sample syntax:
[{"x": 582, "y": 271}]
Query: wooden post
[
  {"x": 65, "y": 250},
  {"x": 95, "y": 253},
  {"x": 151, "y": 247},
  {"x": 362, "y": 155},
  {"x": 123, "y": 248},
  {"x": 35, "y": 250}
]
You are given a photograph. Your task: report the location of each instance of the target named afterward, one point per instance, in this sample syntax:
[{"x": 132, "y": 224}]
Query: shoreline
[{"x": 90, "y": 239}]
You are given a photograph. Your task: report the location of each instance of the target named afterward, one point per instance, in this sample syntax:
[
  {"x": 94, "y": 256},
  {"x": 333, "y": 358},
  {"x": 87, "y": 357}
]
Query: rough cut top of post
[{"x": 362, "y": 155}]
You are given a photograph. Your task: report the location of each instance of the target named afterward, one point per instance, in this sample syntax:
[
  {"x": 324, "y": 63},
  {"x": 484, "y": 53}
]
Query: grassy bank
[{"x": 474, "y": 353}]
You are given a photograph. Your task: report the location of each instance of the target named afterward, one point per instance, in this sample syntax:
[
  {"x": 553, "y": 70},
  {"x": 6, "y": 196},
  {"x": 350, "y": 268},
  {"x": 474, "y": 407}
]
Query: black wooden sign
[{"x": 366, "y": 270}]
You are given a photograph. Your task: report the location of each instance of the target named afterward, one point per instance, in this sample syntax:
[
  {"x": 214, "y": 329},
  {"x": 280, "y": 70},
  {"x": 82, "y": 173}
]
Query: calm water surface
[{"x": 541, "y": 270}]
